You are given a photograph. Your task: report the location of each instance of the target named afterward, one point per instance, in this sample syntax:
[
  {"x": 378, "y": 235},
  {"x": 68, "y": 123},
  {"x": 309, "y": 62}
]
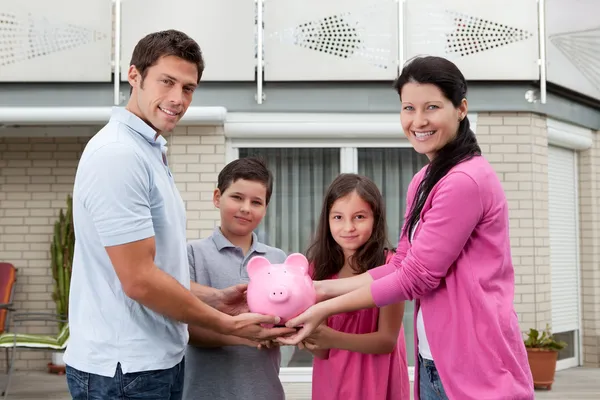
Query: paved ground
[{"x": 572, "y": 384}]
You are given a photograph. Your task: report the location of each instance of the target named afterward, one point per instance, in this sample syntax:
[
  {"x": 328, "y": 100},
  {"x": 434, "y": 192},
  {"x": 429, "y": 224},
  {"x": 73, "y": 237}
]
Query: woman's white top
[{"x": 424, "y": 349}]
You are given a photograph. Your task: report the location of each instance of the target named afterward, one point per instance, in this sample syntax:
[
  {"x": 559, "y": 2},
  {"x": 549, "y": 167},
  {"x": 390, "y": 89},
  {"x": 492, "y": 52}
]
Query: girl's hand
[
  {"x": 321, "y": 339},
  {"x": 308, "y": 322}
]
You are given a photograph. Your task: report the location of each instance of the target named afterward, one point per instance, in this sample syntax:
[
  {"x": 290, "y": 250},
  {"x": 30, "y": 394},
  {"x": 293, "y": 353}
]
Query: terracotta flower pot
[{"x": 543, "y": 366}]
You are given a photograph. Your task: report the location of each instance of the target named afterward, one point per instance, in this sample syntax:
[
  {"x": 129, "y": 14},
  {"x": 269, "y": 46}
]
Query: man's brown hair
[{"x": 171, "y": 42}]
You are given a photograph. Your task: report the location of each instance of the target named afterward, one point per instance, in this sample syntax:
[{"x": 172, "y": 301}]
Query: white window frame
[
  {"x": 576, "y": 138},
  {"x": 348, "y": 132}
]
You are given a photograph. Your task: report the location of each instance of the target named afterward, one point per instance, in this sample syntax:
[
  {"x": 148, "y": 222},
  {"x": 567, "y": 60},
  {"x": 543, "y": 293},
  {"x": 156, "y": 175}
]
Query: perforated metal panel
[
  {"x": 487, "y": 40},
  {"x": 59, "y": 40},
  {"x": 573, "y": 45},
  {"x": 332, "y": 40},
  {"x": 224, "y": 29}
]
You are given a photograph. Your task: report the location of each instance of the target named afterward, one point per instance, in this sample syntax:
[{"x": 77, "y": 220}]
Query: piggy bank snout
[{"x": 278, "y": 294}]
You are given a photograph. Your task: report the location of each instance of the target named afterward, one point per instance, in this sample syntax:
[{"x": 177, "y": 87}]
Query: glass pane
[
  {"x": 301, "y": 177},
  {"x": 570, "y": 339},
  {"x": 392, "y": 170}
]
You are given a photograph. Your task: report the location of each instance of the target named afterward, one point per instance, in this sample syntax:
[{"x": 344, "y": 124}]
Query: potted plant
[
  {"x": 542, "y": 353},
  {"x": 61, "y": 250}
]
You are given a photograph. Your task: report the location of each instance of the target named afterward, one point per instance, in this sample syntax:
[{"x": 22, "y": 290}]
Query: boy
[{"x": 224, "y": 367}]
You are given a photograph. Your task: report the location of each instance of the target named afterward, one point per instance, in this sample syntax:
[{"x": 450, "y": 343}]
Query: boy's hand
[
  {"x": 268, "y": 344},
  {"x": 232, "y": 300}
]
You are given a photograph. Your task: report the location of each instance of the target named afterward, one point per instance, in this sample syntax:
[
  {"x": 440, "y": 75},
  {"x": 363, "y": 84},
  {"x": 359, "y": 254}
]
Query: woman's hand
[
  {"x": 321, "y": 290},
  {"x": 330, "y": 288},
  {"x": 308, "y": 322}
]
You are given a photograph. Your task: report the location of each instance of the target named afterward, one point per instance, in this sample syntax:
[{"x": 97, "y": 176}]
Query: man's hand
[
  {"x": 232, "y": 300},
  {"x": 248, "y": 325}
]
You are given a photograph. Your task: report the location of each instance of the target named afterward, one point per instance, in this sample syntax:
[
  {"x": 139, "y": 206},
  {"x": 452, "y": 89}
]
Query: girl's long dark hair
[
  {"x": 325, "y": 255},
  {"x": 447, "y": 77}
]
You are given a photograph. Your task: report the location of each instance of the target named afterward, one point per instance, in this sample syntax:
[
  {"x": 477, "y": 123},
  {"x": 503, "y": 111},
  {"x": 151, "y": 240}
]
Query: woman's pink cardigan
[{"x": 459, "y": 269}]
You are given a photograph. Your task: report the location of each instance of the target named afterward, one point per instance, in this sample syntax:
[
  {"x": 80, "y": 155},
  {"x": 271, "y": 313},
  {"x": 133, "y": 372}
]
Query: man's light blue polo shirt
[{"x": 124, "y": 192}]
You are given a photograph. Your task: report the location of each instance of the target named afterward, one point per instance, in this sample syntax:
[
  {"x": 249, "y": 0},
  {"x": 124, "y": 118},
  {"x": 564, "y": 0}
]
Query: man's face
[{"x": 164, "y": 95}]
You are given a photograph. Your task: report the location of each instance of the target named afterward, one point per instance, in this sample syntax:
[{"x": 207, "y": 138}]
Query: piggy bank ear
[
  {"x": 255, "y": 264},
  {"x": 297, "y": 261}
]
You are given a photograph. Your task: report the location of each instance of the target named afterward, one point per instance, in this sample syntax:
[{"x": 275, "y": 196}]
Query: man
[{"x": 130, "y": 301}]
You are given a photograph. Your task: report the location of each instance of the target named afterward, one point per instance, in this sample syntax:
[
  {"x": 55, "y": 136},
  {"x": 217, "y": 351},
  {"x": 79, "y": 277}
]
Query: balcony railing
[{"x": 308, "y": 40}]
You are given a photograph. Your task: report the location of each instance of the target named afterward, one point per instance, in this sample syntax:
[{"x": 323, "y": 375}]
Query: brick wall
[
  {"x": 196, "y": 155},
  {"x": 589, "y": 201},
  {"x": 516, "y": 145},
  {"x": 37, "y": 173}
]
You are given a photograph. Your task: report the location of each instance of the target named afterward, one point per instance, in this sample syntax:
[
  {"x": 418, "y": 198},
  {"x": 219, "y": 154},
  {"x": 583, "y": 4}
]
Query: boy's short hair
[{"x": 247, "y": 168}]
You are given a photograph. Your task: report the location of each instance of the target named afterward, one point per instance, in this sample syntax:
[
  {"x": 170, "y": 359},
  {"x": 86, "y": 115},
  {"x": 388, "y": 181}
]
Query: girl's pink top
[
  {"x": 348, "y": 375},
  {"x": 459, "y": 268}
]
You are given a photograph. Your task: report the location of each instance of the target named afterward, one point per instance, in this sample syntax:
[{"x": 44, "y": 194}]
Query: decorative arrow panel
[
  {"x": 59, "y": 40},
  {"x": 224, "y": 29},
  {"x": 487, "y": 39},
  {"x": 331, "y": 40},
  {"x": 573, "y": 45}
]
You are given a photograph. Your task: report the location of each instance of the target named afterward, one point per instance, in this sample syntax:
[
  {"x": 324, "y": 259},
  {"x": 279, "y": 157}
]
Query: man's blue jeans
[{"x": 166, "y": 384}]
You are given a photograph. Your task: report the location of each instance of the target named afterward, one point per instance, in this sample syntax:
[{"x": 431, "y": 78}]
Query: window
[
  {"x": 305, "y": 152},
  {"x": 301, "y": 176},
  {"x": 392, "y": 169}
]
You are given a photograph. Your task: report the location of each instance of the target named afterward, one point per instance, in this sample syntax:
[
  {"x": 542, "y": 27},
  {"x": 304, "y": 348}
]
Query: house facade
[{"x": 311, "y": 92}]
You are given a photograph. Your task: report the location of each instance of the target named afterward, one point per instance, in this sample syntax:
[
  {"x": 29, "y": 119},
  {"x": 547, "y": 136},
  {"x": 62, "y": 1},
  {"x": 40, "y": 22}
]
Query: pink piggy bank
[{"x": 283, "y": 290}]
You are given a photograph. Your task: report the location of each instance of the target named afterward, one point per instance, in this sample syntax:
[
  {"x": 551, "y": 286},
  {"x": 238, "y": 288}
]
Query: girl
[
  {"x": 454, "y": 254},
  {"x": 359, "y": 355}
]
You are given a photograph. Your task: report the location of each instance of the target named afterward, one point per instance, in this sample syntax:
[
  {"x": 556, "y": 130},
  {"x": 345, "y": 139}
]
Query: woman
[{"x": 453, "y": 256}]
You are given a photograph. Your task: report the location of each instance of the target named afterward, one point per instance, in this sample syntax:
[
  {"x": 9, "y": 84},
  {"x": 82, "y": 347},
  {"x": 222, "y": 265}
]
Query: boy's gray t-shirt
[{"x": 229, "y": 372}]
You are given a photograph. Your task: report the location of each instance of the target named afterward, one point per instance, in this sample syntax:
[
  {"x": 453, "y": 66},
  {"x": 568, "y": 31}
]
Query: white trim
[
  {"x": 542, "y": 43},
  {"x": 400, "y": 35},
  {"x": 259, "y": 51},
  {"x": 361, "y": 126},
  {"x": 297, "y": 129},
  {"x": 579, "y": 333},
  {"x": 231, "y": 153},
  {"x": 569, "y": 132},
  {"x": 117, "y": 54},
  {"x": 575, "y": 361},
  {"x": 348, "y": 160},
  {"x": 473, "y": 121},
  {"x": 69, "y": 116},
  {"x": 566, "y": 364},
  {"x": 569, "y": 136},
  {"x": 312, "y": 125},
  {"x": 293, "y": 117},
  {"x": 295, "y": 374},
  {"x": 282, "y": 142},
  {"x": 304, "y": 374}
]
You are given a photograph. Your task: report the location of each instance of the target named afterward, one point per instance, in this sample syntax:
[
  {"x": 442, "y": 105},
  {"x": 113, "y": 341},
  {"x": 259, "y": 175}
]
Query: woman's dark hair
[
  {"x": 325, "y": 255},
  {"x": 447, "y": 77}
]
